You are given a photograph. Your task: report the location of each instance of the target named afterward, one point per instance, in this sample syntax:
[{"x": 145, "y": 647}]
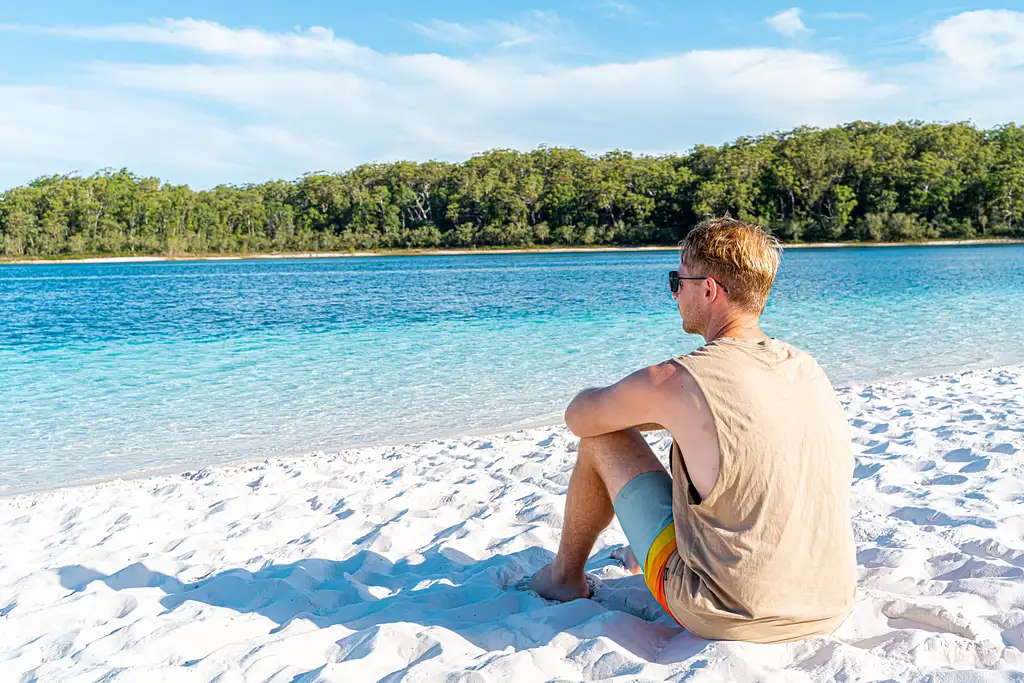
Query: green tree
[{"x": 862, "y": 181}]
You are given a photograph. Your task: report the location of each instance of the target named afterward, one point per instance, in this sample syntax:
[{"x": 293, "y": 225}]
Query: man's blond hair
[{"x": 743, "y": 257}]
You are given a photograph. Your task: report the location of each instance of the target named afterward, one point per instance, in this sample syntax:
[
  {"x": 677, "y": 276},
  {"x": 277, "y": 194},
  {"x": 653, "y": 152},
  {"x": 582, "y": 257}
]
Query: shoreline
[
  {"x": 470, "y": 252},
  {"x": 297, "y": 455}
]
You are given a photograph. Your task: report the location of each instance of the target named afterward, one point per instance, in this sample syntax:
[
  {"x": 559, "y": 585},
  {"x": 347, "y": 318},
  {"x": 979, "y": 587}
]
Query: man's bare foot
[
  {"x": 628, "y": 559},
  {"x": 546, "y": 586}
]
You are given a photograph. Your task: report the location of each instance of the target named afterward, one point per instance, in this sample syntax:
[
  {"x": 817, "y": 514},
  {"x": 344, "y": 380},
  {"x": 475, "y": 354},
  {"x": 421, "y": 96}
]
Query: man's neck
[{"x": 736, "y": 327}]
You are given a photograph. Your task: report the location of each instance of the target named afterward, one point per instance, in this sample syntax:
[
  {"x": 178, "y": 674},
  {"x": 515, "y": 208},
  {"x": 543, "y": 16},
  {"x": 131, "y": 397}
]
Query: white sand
[{"x": 402, "y": 564}]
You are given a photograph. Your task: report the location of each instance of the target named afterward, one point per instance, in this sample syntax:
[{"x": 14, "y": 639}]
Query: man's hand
[{"x": 639, "y": 401}]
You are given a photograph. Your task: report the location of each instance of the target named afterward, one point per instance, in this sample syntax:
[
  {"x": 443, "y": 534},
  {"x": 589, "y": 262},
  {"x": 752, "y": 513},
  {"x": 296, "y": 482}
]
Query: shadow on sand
[{"x": 481, "y": 601}]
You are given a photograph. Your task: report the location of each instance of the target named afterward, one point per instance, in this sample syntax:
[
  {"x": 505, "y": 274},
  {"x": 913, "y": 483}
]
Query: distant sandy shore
[{"x": 465, "y": 252}]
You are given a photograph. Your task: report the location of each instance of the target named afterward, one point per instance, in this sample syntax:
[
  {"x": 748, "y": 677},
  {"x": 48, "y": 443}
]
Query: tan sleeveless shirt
[{"x": 769, "y": 555}]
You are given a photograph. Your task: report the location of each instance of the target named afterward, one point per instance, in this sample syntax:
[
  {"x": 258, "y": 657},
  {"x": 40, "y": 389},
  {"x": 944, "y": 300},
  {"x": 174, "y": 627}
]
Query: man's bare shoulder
[
  {"x": 677, "y": 387},
  {"x": 672, "y": 374}
]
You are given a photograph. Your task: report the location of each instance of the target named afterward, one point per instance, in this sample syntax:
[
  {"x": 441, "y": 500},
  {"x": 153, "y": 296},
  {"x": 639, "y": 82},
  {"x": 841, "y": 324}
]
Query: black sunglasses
[{"x": 674, "y": 277}]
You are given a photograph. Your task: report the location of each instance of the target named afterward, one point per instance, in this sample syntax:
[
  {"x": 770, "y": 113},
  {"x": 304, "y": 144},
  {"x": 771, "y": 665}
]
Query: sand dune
[{"x": 403, "y": 564}]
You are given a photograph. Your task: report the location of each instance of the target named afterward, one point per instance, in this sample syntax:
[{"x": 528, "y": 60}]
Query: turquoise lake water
[{"x": 116, "y": 369}]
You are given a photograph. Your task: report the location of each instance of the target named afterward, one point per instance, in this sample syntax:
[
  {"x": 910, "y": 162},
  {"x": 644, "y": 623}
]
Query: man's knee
[
  {"x": 627, "y": 437},
  {"x": 614, "y": 444},
  {"x": 618, "y": 457}
]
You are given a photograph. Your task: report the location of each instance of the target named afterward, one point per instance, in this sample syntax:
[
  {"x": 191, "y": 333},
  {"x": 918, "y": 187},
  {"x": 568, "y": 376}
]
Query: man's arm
[
  {"x": 637, "y": 400},
  {"x": 651, "y": 427}
]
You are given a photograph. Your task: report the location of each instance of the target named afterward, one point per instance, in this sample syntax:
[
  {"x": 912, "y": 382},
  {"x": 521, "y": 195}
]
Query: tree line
[{"x": 857, "y": 182}]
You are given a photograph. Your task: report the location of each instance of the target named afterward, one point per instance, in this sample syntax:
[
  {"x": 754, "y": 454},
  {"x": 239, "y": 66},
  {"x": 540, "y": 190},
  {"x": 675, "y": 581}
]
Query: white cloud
[
  {"x": 976, "y": 72},
  {"x": 311, "y": 100},
  {"x": 45, "y": 130},
  {"x": 248, "y": 105},
  {"x": 985, "y": 40},
  {"x": 770, "y": 76},
  {"x": 212, "y": 38},
  {"x": 788, "y": 23}
]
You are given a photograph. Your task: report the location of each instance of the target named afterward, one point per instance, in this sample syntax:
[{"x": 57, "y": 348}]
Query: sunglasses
[{"x": 674, "y": 277}]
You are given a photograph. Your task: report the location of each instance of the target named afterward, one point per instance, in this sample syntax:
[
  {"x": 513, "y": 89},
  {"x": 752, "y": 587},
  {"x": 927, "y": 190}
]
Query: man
[{"x": 750, "y": 537}]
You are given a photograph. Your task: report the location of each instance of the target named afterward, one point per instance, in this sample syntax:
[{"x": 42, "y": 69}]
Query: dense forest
[{"x": 861, "y": 181}]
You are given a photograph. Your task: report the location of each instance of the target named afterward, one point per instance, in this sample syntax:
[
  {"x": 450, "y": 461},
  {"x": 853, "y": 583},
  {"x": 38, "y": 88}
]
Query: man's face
[{"x": 690, "y": 302}]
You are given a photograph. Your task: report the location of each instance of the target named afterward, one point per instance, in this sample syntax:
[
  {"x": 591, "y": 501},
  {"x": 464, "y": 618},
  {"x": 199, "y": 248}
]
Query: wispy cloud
[
  {"x": 788, "y": 23},
  {"x": 448, "y": 32},
  {"x": 535, "y": 27},
  {"x": 213, "y": 38}
]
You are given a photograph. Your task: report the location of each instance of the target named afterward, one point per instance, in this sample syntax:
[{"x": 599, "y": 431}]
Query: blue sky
[{"x": 233, "y": 92}]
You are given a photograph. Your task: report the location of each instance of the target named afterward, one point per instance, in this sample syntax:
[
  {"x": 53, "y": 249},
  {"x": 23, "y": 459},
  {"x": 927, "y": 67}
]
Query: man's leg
[{"x": 603, "y": 466}]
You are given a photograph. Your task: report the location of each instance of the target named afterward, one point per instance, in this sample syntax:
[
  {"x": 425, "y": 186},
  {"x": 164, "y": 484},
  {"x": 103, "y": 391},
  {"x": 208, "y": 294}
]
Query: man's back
[{"x": 765, "y": 546}]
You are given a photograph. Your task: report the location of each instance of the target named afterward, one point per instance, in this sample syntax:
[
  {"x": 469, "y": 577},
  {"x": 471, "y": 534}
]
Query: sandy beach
[{"x": 404, "y": 563}]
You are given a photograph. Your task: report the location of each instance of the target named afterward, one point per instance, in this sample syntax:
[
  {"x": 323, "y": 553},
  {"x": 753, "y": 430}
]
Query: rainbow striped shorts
[{"x": 644, "y": 509}]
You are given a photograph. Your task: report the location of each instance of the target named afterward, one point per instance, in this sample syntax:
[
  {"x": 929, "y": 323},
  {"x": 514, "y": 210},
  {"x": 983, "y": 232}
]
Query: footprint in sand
[
  {"x": 949, "y": 479},
  {"x": 865, "y": 471},
  {"x": 1004, "y": 448},
  {"x": 994, "y": 549},
  {"x": 960, "y": 455},
  {"x": 979, "y": 465},
  {"x": 925, "y": 516},
  {"x": 932, "y": 616}
]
